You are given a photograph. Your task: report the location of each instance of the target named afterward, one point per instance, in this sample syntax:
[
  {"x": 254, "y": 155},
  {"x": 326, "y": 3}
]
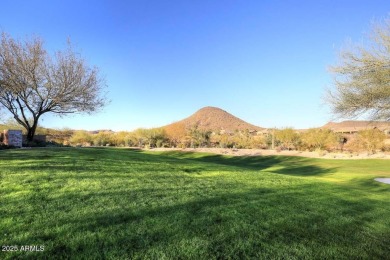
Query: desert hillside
[
  {"x": 355, "y": 126},
  {"x": 215, "y": 119}
]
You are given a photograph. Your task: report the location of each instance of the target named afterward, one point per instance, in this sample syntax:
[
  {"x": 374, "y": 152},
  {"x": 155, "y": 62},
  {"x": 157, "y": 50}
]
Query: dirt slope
[{"x": 215, "y": 119}]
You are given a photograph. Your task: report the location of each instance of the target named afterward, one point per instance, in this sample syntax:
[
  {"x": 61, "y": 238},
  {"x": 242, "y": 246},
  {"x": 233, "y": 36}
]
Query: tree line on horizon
[
  {"x": 180, "y": 136},
  {"x": 314, "y": 139}
]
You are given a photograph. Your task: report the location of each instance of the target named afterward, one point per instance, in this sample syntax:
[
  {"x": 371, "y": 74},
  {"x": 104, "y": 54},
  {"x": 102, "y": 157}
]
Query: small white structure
[
  {"x": 13, "y": 138},
  {"x": 384, "y": 180}
]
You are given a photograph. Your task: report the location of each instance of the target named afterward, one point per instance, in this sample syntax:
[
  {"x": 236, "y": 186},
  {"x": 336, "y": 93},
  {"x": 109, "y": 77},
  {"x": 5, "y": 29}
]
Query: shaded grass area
[{"x": 119, "y": 203}]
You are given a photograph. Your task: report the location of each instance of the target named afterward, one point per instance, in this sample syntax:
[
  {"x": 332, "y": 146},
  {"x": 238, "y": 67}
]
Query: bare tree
[
  {"x": 33, "y": 83},
  {"x": 362, "y": 79}
]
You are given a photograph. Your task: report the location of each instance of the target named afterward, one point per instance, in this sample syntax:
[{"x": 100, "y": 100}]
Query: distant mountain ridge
[
  {"x": 215, "y": 119},
  {"x": 354, "y": 126}
]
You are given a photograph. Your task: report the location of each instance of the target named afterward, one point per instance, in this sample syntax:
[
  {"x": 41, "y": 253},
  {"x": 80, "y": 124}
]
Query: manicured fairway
[{"x": 108, "y": 203}]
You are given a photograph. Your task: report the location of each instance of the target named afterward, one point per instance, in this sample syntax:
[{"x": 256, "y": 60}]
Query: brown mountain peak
[{"x": 215, "y": 119}]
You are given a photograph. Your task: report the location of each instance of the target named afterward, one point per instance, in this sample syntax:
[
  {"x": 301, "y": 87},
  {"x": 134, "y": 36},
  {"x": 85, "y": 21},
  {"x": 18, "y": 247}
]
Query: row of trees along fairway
[
  {"x": 33, "y": 83},
  {"x": 315, "y": 139}
]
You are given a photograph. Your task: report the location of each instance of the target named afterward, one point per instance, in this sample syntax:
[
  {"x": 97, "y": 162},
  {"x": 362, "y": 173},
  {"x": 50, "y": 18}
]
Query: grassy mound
[{"x": 117, "y": 203}]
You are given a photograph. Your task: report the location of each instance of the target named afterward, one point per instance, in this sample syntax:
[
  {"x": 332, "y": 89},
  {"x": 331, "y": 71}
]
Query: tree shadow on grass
[
  {"x": 298, "y": 222},
  {"x": 235, "y": 220},
  {"x": 371, "y": 184},
  {"x": 288, "y": 165},
  {"x": 85, "y": 160}
]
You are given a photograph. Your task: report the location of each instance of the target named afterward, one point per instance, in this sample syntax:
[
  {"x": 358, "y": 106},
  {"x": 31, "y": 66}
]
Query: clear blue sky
[{"x": 263, "y": 61}]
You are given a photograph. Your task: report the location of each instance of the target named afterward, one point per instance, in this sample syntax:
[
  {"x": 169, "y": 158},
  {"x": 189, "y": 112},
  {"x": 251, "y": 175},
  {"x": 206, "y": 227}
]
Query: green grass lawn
[{"x": 95, "y": 203}]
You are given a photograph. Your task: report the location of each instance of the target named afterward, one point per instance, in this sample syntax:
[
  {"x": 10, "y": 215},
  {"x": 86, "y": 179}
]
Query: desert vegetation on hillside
[
  {"x": 213, "y": 127},
  {"x": 213, "y": 118},
  {"x": 314, "y": 139}
]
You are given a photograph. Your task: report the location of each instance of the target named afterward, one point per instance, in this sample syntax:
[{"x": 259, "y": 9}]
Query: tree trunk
[
  {"x": 30, "y": 134},
  {"x": 31, "y": 131}
]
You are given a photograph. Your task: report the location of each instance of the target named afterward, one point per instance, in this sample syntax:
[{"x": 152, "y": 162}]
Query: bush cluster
[
  {"x": 181, "y": 136},
  {"x": 314, "y": 139}
]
